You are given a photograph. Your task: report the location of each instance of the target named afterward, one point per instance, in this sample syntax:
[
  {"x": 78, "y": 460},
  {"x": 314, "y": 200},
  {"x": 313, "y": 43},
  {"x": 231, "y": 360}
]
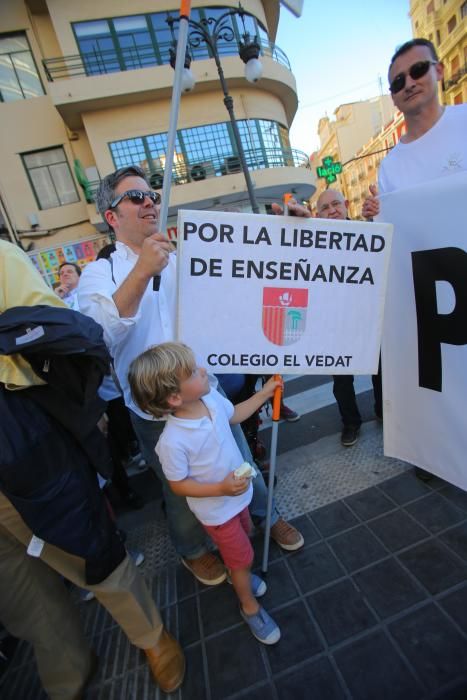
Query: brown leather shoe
[
  {"x": 167, "y": 663},
  {"x": 207, "y": 568},
  {"x": 286, "y": 536}
]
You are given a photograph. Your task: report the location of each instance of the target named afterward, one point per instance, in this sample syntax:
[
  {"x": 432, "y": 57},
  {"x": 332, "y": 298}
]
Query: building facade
[
  {"x": 444, "y": 22},
  {"x": 86, "y": 88},
  {"x": 341, "y": 138}
]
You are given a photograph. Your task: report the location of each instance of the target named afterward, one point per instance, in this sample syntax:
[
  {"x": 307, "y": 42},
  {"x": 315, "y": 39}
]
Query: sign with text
[
  {"x": 425, "y": 330},
  {"x": 264, "y": 294}
]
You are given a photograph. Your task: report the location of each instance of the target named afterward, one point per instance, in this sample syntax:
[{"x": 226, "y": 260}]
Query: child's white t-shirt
[{"x": 205, "y": 450}]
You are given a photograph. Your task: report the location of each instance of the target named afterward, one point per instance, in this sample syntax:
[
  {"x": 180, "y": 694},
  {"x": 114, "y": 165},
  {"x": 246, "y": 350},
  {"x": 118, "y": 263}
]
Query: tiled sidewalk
[{"x": 373, "y": 608}]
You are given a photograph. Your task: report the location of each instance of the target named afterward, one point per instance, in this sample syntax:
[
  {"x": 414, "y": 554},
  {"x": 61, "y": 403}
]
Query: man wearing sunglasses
[
  {"x": 119, "y": 294},
  {"x": 435, "y": 142}
]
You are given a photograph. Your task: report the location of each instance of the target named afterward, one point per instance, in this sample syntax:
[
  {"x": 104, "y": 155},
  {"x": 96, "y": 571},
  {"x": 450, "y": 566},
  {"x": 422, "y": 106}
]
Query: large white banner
[
  {"x": 265, "y": 294},
  {"x": 425, "y": 331}
]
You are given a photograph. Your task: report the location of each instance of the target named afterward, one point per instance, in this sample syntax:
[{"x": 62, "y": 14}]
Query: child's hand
[
  {"x": 232, "y": 486},
  {"x": 268, "y": 389}
]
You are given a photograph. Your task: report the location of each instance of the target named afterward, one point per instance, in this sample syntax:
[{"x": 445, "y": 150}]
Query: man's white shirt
[
  {"x": 126, "y": 338},
  {"x": 439, "y": 152}
]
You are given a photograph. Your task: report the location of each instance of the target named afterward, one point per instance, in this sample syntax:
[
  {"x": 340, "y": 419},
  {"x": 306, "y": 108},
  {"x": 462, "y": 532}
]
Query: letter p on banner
[{"x": 429, "y": 267}]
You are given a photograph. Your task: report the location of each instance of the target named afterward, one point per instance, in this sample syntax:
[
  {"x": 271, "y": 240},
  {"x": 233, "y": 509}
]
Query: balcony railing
[
  {"x": 222, "y": 164},
  {"x": 116, "y": 60},
  {"x": 455, "y": 77}
]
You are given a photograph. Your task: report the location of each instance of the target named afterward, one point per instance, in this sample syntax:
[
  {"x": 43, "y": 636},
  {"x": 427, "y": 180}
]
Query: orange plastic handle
[
  {"x": 276, "y": 400},
  {"x": 185, "y": 7}
]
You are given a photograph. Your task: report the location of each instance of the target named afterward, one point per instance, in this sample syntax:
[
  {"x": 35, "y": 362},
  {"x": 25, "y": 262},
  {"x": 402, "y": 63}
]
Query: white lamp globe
[
  {"x": 253, "y": 70},
  {"x": 188, "y": 80}
]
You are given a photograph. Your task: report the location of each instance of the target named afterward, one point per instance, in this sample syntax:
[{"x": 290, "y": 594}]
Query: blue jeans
[{"x": 186, "y": 532}]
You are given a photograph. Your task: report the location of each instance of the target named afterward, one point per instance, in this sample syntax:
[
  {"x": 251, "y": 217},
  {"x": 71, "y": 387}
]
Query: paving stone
[
  {"x": 188, "y": 623},
  {"x": 404, "y": 488},
  {"x": 334, "y": 518},
  {"x": 260, "y": 692},
  {"x": 372, "y": 669},
  {"x": 456, "y": 539},
  {"x": 341, "y": 611},
  {"x": 369, "y": 503},
  {"x": 234, "y": 662},
  {"x": 458, "y": 692},
  {"x": 437, "y": 651},
  {"x": 388, "y": 588},
  {"x": 299, "y": 638},
  {"x": 315, "y": 566},
  {"x": 281, "y": 587},
  {"x": 357, "y": 548},
  {"x": 435, "y": 512},
  {"x": 397, "y": 530},
  {"x": 317, "y": 679},
  {"x": 434, "y": 566},
  {"x": 194, "y": 685},
  {"x": 455, "y": 604},
  {"x": 219, "y": 608},
  {"x": 456, "y": 495},
  {"x": 305, "y": 525},
  {"x": 275, "y": 552},
  {"x": 311, "y": 477}
]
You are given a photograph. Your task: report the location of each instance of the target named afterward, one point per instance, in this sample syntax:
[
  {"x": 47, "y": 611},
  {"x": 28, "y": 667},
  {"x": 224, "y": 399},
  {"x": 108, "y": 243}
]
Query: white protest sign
[
  {"x": 264, "y": 294},
  {"x": 425, "y": 329}
]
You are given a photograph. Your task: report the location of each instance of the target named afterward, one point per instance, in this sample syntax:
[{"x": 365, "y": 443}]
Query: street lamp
[{"x": 209, "y": 31}]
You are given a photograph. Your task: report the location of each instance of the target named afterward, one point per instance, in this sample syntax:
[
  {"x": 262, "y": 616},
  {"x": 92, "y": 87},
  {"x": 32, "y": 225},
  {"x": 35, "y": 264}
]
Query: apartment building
[
  {"x": 362, "y": 170},
  {"x": 354, "y": 124},
  {"x": 86, "y": 88},
  {"x": 444, "y": 22}
]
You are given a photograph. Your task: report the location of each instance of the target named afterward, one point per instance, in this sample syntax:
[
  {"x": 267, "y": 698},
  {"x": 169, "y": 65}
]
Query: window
[
  {"x": 136, "y": 41},
  {"x": 464, "y": 10},
  {"x": 50, "y": 177},
  {"x": 454, "y": 66},
  {"x": 430, "y": 7},
  {"x": 458, "y": 99},
  {"x": 266, "y": 144},
  {"x": 452, "y": 23},
  {"x": 19, "y": 79}
]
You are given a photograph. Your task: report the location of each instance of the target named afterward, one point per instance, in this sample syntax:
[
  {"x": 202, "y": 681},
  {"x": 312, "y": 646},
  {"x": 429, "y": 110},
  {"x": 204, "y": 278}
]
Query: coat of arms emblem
[{"x": 284, "y": 314}]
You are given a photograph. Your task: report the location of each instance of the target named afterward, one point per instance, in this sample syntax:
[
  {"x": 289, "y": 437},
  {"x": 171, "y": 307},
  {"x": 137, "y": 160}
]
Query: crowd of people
[{"x": 106, "y": 348}]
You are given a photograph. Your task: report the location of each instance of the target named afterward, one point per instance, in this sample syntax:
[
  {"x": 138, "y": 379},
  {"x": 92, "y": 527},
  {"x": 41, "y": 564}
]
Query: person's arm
[
  {"x": 230, "y": 486},
  {"x": 153, "y": 258},
  {"x": 245, "y": 409}
]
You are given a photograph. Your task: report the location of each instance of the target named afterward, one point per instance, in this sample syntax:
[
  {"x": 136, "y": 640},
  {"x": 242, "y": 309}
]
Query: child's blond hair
[{"x": 156, "y": 374}]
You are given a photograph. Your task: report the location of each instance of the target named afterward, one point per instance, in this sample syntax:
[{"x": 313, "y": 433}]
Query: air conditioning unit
[
  {"x": 232, "y": 164},
  {"x": 198, "y": 172},
  {"x": 156, "y": 180}
]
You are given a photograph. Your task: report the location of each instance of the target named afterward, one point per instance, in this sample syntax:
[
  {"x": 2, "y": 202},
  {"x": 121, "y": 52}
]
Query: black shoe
[
  {"x": 132, "y": 500},
  {"x": 423, "y": 475},
  {"x": 349, "y": 435}
]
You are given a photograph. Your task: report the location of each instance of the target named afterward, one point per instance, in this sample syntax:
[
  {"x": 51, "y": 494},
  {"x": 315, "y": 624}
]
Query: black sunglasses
[
  {"x": 416, "y": 71},
  {"x": 137, "y": 197}
]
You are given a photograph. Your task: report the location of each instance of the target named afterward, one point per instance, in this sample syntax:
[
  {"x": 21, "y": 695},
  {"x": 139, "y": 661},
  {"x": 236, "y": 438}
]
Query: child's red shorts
[{"x": 232, "y": 539}]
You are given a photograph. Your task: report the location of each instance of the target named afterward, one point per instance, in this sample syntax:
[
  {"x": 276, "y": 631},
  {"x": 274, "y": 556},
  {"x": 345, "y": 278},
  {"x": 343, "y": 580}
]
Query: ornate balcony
[
  {"x": 100, "y": 62},
  {"x": 184, "y": 172}
]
